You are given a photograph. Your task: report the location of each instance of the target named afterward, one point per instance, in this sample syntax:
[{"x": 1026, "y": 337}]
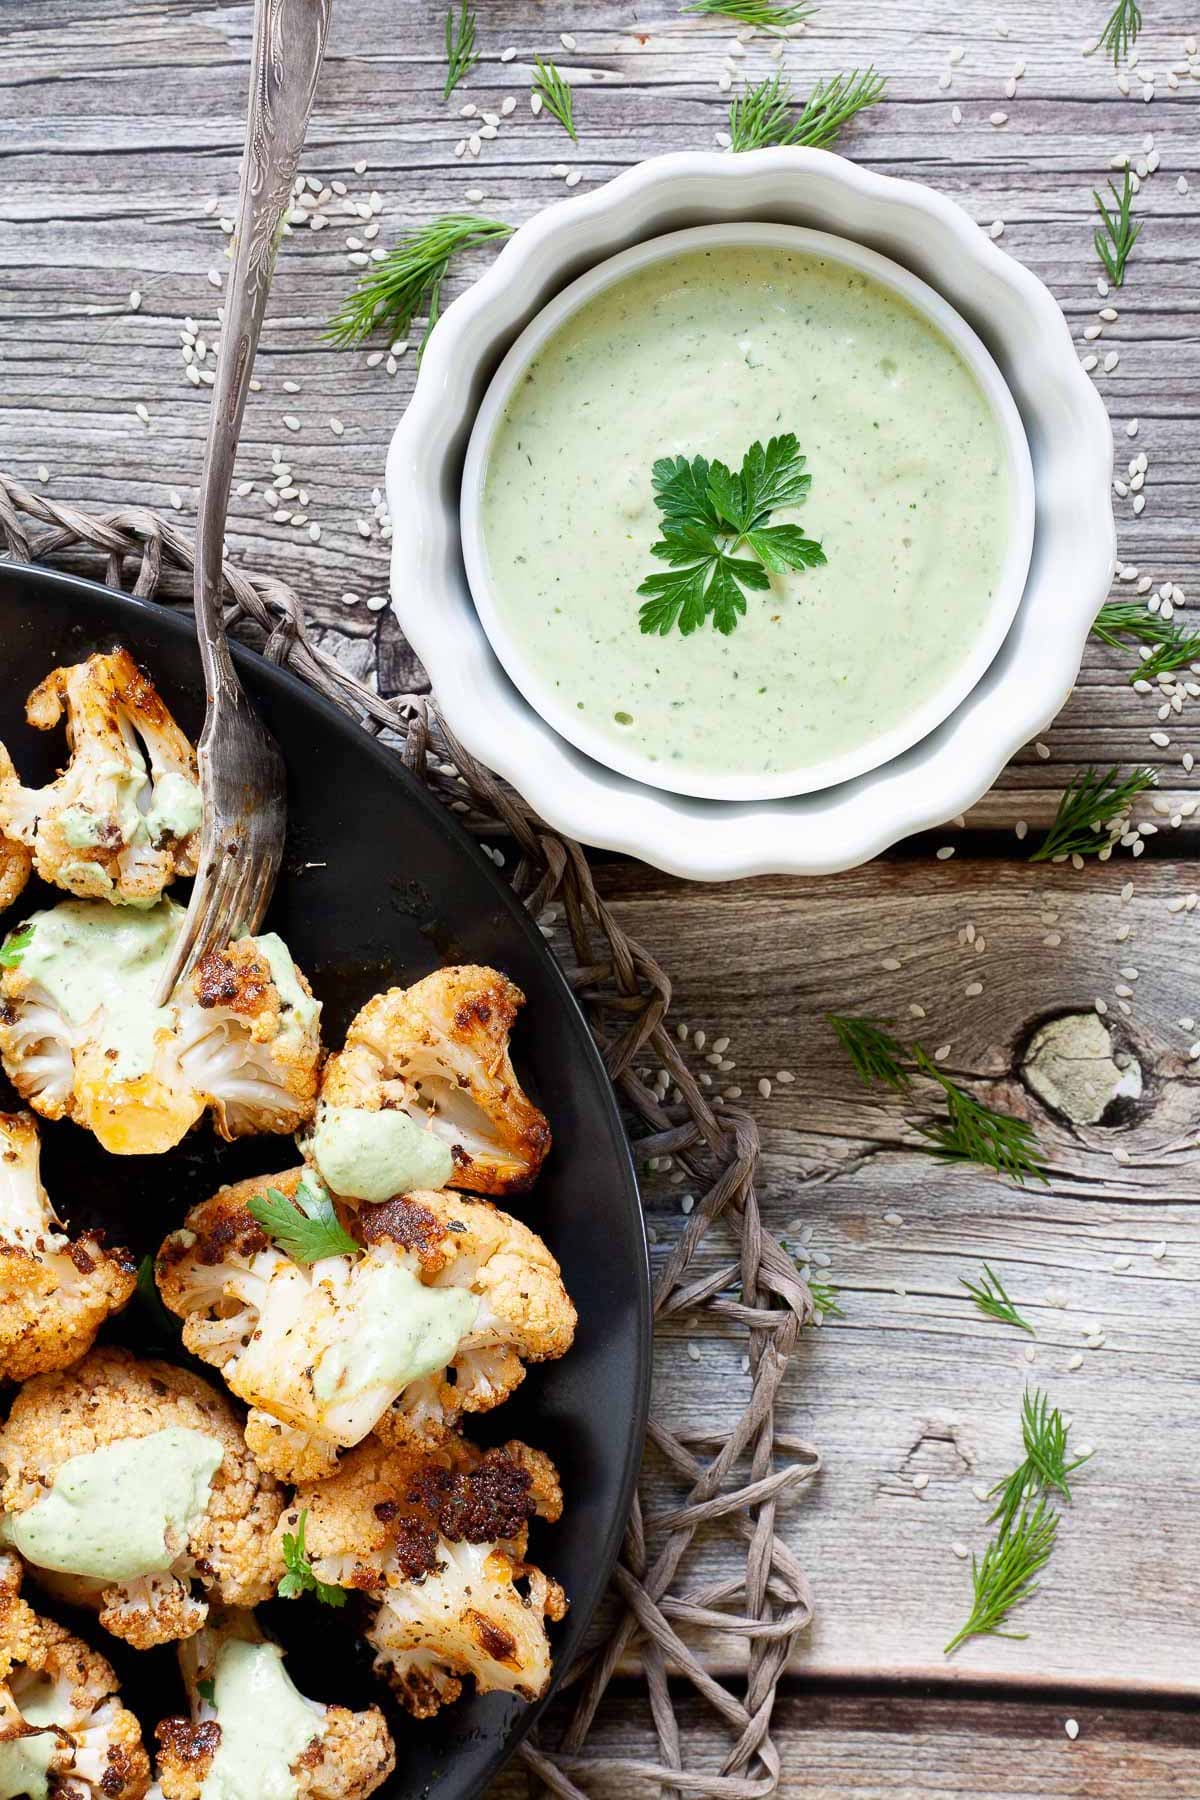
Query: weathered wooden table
[{"x": 119, "y": 136}]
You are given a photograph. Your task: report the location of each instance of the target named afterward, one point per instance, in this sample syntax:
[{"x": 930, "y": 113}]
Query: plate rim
[{"x": 180, "y": 624}]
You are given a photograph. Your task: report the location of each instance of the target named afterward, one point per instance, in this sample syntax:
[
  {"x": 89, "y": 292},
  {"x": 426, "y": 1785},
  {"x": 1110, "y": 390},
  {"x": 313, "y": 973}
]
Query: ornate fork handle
[{"x": 289, "y": 42}]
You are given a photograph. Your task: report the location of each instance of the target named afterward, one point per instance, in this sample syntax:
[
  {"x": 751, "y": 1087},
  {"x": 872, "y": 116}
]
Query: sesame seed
[
  {"x": 509, "y": 55},
  {"x": 764, "y": 1087},
  {"x": 214, "y": 278},
  {"x": 999, "y": 118},
  {"x": 920, "y": 1482},
  {"x": 566, "y": 40},
  {"x": 945, "y": 853},
  {"x": 890, "y": 962},
  {"x": 574, "y": 178},
  {"x": 1072, "y": 1729},
  {"x": 956, "y": 115},
  {"x": 377, "y": 602},
  {"x": 291, "y": 387},
  {"x": 785, "y": 1076},
  {"x": 960, "y": 1550},
  {"x": 973, "y": 989},
  {"x": 700, "y": 1039},
  {"x": 142, "y": 412},
  {"x": 893, "y": 1218},
  {"x": 996, "y": 228}
]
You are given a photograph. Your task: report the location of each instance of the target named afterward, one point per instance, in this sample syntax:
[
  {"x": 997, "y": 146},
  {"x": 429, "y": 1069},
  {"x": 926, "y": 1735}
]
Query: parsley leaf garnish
[
  {"x": 15, "y": 946},
  {"x": 307, "y": 1229},
  {"x": 300, "y": 1578},
  {"x": 207, "y": 1690},
  {"x": 709, "y": 513}
]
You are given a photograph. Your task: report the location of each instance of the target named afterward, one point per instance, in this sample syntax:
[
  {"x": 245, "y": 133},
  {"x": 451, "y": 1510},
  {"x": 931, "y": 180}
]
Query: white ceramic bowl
[
  {"x": 524, "y": 670},
  {"x": 1070, "y": 569}
]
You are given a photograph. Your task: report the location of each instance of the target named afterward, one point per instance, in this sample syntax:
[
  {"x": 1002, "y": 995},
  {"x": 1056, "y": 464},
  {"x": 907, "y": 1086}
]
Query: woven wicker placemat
[{"x": 732, "y": 1483}]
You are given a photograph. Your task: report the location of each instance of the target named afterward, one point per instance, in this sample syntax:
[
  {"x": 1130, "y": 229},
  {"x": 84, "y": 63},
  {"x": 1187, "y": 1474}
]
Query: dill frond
[
  {"x": 825, "y": 1300},
  {"x": 1005, "y": 1575},
  {"x": 1045, "y": 1468},
  {"x": 556, "y": 96},
  {"x": 1121, "y": 30},
  {"x": 1118, "y": 232},
  {"x": 874, "y": 1052},
  {"x": 461, "y": 54},
  {"x": 1121, "y": 621},
  {"x": 766, "y": 15},
  {"x": 1091, "y": 806},
  {"x": 408, "y": 282},
  {"x": 763, "y": 115},
  {"x": 990, "y": 1298}
]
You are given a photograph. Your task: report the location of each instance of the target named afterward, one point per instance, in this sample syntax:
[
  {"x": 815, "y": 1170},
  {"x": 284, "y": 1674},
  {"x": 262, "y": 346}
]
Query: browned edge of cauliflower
[
  {"x": 350, "y": 1755},
  {"x": 435, "y": 1540},
  {"x": 55, "y": 1292},
  {"x": 110, "y": 826},
  {"x": 99, "y": 1742},
  {"x": 265, "y": 1320},
  {"x": 439, "y": 1051},
  {"x": 16, "y": 864},
  {"x": 231, "y": 1556}
]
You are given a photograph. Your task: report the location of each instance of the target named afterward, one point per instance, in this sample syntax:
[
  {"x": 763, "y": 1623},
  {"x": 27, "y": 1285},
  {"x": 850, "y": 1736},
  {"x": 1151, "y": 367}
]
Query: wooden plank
[
  {"x": 914, "y": 1398},
  {"x": 121, "y": 121}
]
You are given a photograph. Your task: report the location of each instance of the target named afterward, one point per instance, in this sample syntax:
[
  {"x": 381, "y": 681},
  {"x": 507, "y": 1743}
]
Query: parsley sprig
[
  {"x": 1045, "y": 1468},
  {"x": 461, "y": 54},
  {"x": 300, "y": 1578},
  {"x": 307, "y": 1228},
  {"x": 763, "y": 115},
  {"x": 971, "y": 1131},
  {"x": 408, "y": 282},
  {"x": 15, "y": 946},
  {"x": 1118, "y": 231},
  {"x": 709, "y": 513},
  {"x": 1121, "y": 30},
  {"x": 990, "y": 1298},
  {"x": 1121, "y": 621},
  {"x": 556, "y": 95},
  {"x": 1090, "y": 812},
  {"x": 1006, "y": 1573}
]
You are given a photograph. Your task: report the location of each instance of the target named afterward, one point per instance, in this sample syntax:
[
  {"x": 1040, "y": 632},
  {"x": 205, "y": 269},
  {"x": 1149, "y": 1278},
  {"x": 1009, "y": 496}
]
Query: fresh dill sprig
[
  {"x": 766, "y": 15},
  {"x": 300, "y": 1578},
  {"x": 556, "y": 96},
  {"x": 1115, "y": 237},
  {"x": 1084, "y": 822},
  {"x": 1006, "y": 1573},
  {"x": 408, "y": 282},
  {"x": 15, "y": 946},
  {"x": 1119, "y": 621},
  {"x": 1120, "y": 33},
  {"x": 1045, "y": 1468},
  {"x": 990, "y": 1298},
  {"x": 971, "y": 1131},
  {"x": 825, "y": 1300},
  {"x": 461, "y": 54},
  {"x": 763, "y": 115}
]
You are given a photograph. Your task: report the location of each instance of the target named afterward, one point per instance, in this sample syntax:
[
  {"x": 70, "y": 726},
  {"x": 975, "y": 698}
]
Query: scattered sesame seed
[
  {"x": 377, "y": 602},
  {"x": 999, "y": 118},
  {"x": 1072, "y": 1729},
  {"x": 785, "y": 1076},
  {"x": 996, "y": 228},
  {"x": 973, "y": 989},
  {"x": 920, "y": 1482},
  {"x": 960, "y": 1550},
  {"x": 214, "y": 278},
  {"x": 574, "y": 178},
  {"x": 566, "y": 40},
  {"x": 893, "y": 1218},
  {"x": 956, "y": 115},
  {"x": 945, "y": 853}
]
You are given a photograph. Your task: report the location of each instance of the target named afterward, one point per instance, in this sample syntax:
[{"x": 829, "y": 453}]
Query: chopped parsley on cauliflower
[
  {"x": 435, "y": 1540},
  {"x": 140, "y": 1468},
  {"x": 123, "y": 818},
  {"x": 438, "y": 1051},
  {"x": 55, "y": 1291},
  {"x": 63, "y": 1730},
  {"x": 81, "y": 1036},
  {"x": 252, "y": 1733},
  {"x": 435, "y": 1316}
]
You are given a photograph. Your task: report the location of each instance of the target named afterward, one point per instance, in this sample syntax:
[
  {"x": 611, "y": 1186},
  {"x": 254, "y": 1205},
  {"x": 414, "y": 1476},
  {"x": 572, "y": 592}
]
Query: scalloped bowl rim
[{"x": 943, "y": 774}]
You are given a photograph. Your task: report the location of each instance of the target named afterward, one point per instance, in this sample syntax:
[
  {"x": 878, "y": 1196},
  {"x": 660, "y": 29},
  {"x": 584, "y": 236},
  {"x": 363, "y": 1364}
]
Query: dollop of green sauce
[
  {"x": 266, "y": 1725},
  {"x": 304, "y": 1010},
  {"x": 110, "y": 1513},
  {"x": 24, "y": 1763},
  {"x": 176, "y": 809},
  {"x": 373, "y": 1155},
  {"x": 402, "y": 1331}
]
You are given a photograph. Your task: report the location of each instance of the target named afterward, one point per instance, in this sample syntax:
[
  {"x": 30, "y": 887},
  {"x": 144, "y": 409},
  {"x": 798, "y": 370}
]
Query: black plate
[{"x": 396, "y": 889}]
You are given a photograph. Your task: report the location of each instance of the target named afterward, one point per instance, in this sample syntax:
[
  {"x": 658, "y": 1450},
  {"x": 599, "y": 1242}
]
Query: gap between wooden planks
[{"x": 914, "y": 1383}]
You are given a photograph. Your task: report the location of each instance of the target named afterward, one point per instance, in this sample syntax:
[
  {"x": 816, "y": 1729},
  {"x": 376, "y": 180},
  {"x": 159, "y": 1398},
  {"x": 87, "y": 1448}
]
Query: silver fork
[{"x": 241, "y": 769}]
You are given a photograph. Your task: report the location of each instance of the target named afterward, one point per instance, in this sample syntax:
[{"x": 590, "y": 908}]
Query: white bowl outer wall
[
  {"x": 524, "y": 669},
  {"x": 1069, "y": 437}
]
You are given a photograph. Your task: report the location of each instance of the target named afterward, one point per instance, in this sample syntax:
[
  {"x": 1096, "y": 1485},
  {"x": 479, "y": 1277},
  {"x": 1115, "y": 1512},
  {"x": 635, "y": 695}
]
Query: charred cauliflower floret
[
  {"x": 82, "y": 1038},
  {"x": 438, "y": 1051},
  {"x": 16, "y": 865},
  {"x": 252, "y": 1732},
  {"x": 129, "y": 1489},
  {"x": 63, "y": 1730},
  {"x": 436, "y": 1541},
  {"x": 435, "y": 1316},
  {"x": 123, "y": 818},
  {"x": 55, "y": 1292}
]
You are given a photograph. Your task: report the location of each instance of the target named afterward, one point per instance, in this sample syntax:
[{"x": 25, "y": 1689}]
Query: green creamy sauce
[
  {"x": 265, "y": 1726},
  {"x": 402, "y": 1331},
  {"x": 92, "y": 958},
  {"x": 373, "y": 1155},
  {"x": 24, "y": 1765},
  {"x": 176, "y": 809},
  {"x": 304, "y": 1010},
  {"x": 108, "y": 1514},
  {"x": 703, "y": 355}
]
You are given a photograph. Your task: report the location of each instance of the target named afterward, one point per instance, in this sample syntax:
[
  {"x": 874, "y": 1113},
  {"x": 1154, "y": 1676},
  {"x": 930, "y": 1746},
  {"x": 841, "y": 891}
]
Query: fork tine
[{"x": 204, "y": 921}]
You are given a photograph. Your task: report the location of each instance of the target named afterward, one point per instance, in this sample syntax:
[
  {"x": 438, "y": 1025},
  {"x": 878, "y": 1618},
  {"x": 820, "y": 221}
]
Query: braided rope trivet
[{"x": 625, "y": 995}]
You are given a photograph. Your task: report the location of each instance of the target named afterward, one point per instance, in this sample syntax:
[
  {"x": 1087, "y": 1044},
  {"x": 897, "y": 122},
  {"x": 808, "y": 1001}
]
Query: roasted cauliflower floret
[
  {"x": 438, "y": 1051},
  {"x": 123, "y": 818},
  {"x": 251, "y": 1730},
  {"x": 436, "y": 1542},
  {"x": 435, "y": 1316},
  {"x": 129, "y": 1489},
  {"x": 55, "y": 1292},
  {"x": 16, "y": 865},
  {"x": 63, "y": 1730},
  {"x": 82, "y": 1038}
]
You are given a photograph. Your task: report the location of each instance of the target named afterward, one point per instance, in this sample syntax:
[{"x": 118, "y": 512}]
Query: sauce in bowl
[{"x": 919, "y": 499}]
